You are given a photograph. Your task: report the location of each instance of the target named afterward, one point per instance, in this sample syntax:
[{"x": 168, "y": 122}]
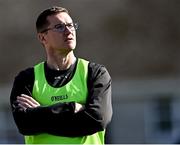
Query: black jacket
[{"x": 60, "y": 119}]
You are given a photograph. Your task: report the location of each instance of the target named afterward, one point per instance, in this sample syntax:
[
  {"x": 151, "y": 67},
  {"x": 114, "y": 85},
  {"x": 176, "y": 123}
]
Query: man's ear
[{"x": 41, "y": 38}]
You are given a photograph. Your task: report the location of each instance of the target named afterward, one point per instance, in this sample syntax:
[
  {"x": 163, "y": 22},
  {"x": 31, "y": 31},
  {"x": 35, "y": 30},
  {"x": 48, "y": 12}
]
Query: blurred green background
[{"x": 138, "y": 42}]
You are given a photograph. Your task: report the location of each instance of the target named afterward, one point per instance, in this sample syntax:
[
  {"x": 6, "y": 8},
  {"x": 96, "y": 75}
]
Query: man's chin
[{"x": 71, "y": 47}]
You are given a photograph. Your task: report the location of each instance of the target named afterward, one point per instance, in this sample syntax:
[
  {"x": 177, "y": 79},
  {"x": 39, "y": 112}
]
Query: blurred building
[{"x": 138, "y": 42}]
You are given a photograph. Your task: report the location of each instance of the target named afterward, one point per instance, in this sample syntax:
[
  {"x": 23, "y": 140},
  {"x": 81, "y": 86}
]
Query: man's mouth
[{"x": 68, "y": 39}]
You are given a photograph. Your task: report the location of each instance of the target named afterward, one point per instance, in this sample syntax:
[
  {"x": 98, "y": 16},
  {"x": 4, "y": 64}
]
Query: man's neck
[{"x": 61, "y": 62}]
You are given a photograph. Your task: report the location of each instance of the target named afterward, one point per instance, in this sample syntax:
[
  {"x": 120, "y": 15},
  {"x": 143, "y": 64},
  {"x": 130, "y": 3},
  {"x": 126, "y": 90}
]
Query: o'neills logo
[{"x": 59, "y": 98}]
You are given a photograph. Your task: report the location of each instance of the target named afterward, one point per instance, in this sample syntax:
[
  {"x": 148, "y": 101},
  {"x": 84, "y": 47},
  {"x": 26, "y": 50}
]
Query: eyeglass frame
[{"x": 69, "y": 25}]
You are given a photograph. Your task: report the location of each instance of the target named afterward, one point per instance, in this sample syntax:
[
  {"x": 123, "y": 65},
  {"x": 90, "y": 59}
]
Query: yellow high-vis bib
[{"x": 75, "y": 90}]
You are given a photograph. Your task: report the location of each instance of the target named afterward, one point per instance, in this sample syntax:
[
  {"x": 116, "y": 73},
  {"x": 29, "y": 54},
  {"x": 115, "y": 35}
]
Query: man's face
[{"x": 63, "y": 42}]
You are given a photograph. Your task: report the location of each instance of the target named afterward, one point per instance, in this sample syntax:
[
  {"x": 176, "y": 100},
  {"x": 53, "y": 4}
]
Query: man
[{"x": 64, "y": 100}]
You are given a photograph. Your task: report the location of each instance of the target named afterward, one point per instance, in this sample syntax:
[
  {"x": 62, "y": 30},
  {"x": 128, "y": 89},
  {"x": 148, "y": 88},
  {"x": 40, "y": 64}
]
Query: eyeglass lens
[{"x": 62, "y": 27}]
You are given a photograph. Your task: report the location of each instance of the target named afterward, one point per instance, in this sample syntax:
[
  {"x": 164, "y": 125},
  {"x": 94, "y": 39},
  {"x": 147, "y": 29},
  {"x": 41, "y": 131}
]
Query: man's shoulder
[
  {"x": 98, "y": 74},
  {"x": 96, "y": 69},
  {"x": 97, "y": 66},
  {"x": 28, "y": 71},
  {"x": 25, "y": 73}
]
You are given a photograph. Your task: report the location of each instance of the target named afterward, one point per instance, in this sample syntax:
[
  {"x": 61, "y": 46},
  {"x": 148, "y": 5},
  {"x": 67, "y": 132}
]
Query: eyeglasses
[{"x": 62, "y": 27}]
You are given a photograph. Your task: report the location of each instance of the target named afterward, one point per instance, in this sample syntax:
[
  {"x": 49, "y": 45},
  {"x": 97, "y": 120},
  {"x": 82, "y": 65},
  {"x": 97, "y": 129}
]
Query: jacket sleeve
[
  {"x": 60, "y": 119},
  {"x": 33, "y": 121}
]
